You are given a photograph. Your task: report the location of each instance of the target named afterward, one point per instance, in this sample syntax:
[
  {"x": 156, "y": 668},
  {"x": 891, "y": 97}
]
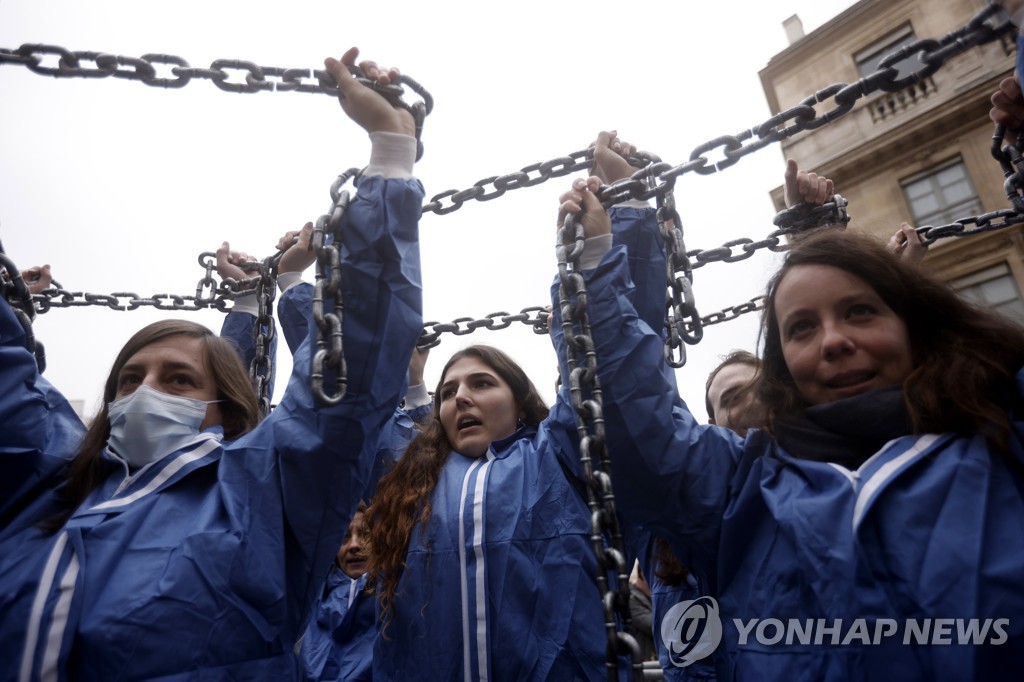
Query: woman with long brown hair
[
  {"x": 874, "y": 530},
  {"x": 182, "y": 539},
  {"x": 480, "y": 538}
]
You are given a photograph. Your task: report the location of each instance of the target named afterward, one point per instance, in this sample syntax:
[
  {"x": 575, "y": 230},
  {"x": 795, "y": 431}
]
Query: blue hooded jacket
[{"x": 205, "y": 564}]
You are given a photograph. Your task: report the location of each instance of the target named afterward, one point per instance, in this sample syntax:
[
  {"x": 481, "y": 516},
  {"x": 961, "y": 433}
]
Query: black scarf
[{"x": 848, "y": 431}]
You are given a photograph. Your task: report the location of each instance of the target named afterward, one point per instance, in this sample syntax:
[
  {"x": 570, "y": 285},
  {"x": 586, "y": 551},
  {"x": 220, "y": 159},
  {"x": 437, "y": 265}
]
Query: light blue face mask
[{"x": 147, "y": 424}]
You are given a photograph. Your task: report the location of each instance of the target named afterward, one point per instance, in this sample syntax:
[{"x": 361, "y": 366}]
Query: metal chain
[
  {"x": 220, "y": 296},
  {"x": 16, "y": 291},
  {"x": 585, "y": 392},
  {"x": 264, "y": 288},
  {"x": 535, "y": 316},
  {"x": 330, "y": 355},
  {"x": 682, "y": 321},
  {"x": 930, "y": 54},
  {"x": 755, "y": 304},
  {"x": 654, "y": 179},
  {"x": 120, "y": 300},
  {"x": 804, "y": 216},
  {"x": 261, "y": 369},
  {"x": 224, "y": 73}
]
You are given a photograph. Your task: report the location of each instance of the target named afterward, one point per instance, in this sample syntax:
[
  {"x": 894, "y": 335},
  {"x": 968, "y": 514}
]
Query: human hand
[
  {"x": 417, "y": 363},
  {"x": 906, "y": 244},
  {"x": 582, "y": 198},
  {"x": 229, "y": 263},
  {"x": 610, "y": 157},
  {"x": 299, "y": 255},
  {"x": 364, "y": 106},
  {"x": 802, "y": 186},
  {"x": 1008, "y": 106},
  {"x": 37, "y": 278}
]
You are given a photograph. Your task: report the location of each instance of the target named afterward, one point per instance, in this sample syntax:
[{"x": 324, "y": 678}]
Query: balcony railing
[{"x": 891, "y": 104}]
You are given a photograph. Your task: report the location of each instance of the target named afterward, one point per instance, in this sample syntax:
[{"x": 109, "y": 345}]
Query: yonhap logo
[{"x": 691, "y": 630}]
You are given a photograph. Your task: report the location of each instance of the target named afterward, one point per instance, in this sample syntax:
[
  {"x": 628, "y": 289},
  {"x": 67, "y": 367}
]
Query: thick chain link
[
  {"x": 16, "y": 291},
  {"x": 585, "y": 393},
  {"x": 682, "y": 321},
  {"x": 261, "y": 369},
  {"x": 264, "y": 288},
  {"x": 330, "y": 356},
  {"x": 535, "y": 316}
]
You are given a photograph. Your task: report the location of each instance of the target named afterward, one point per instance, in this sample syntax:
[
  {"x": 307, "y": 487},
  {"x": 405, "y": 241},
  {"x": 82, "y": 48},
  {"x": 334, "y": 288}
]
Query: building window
[
  {"x": 993, "y": 288},
  {"x": 942, "y": 196},
  {"x": 867, "y": 59}
]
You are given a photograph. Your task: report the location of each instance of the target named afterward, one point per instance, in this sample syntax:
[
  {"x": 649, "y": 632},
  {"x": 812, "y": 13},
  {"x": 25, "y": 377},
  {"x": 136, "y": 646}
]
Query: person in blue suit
[
  {"x": 180, "y": 539},
  {"x": 873, "y": 529},
  {"x": 338, "y": 644}
]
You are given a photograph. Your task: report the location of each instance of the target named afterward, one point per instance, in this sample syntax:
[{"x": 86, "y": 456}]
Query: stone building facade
[{"x": 921, "y": 155}]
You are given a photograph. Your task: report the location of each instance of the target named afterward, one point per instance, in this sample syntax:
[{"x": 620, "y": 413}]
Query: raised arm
[
  {"x": 632, "y": 225},
  {"x": 293, "y": 307},
  {"x": 323, "y": 455},
  {"x": 671, "y": 474},
  {"x": 39, "y": 431},
  {"x": 240, "y": 323}
]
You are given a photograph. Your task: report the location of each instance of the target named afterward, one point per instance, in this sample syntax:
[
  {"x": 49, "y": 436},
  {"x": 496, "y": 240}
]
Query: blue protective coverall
[
  {"x": 338, "y": 641},
  {"x": 499, "y": 584},
  {"x": 205, "y": 564},
  {"x": 666, "y": 628},
  {"x": 635, "y": 227},
  {"x": 338, "y": 645},
  {"x": 930, "y": 527},
  {"x": 396, "y": 432}
]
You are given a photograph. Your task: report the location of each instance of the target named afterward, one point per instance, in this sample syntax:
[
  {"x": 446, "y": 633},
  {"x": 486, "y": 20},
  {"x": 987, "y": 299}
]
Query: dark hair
[
  {"x": 403, "y": 495},
  {"x": 964, "y": 357},
  {"x": 239, "y": 408},
  {"x": 736, "y": 357}
]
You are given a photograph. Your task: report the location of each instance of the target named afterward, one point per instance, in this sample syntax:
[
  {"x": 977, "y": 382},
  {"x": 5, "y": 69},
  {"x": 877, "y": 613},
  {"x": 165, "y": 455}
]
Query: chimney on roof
[{"x": 794, "y": 28}]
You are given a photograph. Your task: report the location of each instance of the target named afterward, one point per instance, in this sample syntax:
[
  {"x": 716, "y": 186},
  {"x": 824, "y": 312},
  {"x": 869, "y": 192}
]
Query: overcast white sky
[{"x": 120, "y": 186}]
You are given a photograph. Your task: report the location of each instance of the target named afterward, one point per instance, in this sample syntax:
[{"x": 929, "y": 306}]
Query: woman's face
[
  {"x": 839, "y": 338},
  {"x": 476, "y": 406},
  {"x": 352, "y": 555},
  {"x": 175, "y": 365}
]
